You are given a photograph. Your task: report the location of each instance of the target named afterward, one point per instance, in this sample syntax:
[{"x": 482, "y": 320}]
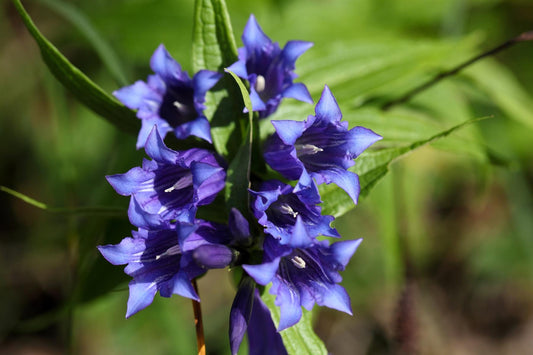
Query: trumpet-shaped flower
[
  {"x": 157, "y": 263},
  {"x": 269, "y": 69},
  {"x": 281, "y": 209},
  {"x": 322, "y": 145},
  {"x": 304, "y": 273},
  {"x": 166, "y": 260},
  {"x": 170, "y": 99},
  {"x": 171, "y": 185}
]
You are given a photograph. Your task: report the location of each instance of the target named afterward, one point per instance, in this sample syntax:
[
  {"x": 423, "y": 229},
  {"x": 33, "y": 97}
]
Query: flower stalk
[{"x": 198, "y": 322}]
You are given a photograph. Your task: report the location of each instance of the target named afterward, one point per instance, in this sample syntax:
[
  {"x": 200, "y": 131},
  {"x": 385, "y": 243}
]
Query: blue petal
[
  {"x": 240, "y": 313},
  {"x": 362, "y": 138},
  {"x": 257, "y": 103},
  {"x": 141, "y": 296},
  {"x": 157, "y": 150},
  {"x": 130, "y": 182},
  {"x": 335, "y": 296},
  {"x": 202, "y": 82},
  {"x": 345, "y": 179},
  {"x": 288, "y": 300},
  {"x": 208, "y": 180},
  {"x": 263, "y": 273},
  {"x": 343, "y": 251},
  {"x": 140, "y": 218},
  {"x": 128, "y": 250},
  {"x": 298, "y": 91},
  {"x": 299, "y": 238},
  {"x": 289, "y": 131},
  {"x": 253, "y": 36},
  {"x": 182, "y": 286},
  {"x": 239, "y": 68},
  {"x": 163, "y": 64},
  {"x": 327, "y": 107},
  {"x": 134, "y": 96},
  {"x": 239, "y": 226},
  {"x": 184, "y": 230},
  {"x": 147, "y": 125},
  {"x": 198, "y": 127},
  {"x": 294, "y": 49},
  {"x": 263, "y": 339}
]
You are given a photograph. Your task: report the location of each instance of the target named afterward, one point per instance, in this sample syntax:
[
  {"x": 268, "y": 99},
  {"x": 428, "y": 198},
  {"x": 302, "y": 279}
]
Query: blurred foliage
[{"x": 447, "y": 232}]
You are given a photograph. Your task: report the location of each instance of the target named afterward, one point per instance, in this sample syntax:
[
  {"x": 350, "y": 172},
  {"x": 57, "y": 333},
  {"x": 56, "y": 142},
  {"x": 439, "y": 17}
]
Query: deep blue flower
[
  {"x": 269, "y": 69},
  {"x": 280, "y": 208},
  {"x": 170, "y": 99},
  {"x": 322, "y": 145},
  {"x": 156, "y": 262},
  {"x": 304, "y": 273},
  {"x": 171, "y": 185}
]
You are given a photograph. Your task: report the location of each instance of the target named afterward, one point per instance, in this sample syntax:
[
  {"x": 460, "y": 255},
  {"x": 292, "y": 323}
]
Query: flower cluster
[{"x": 172, "y": 246}]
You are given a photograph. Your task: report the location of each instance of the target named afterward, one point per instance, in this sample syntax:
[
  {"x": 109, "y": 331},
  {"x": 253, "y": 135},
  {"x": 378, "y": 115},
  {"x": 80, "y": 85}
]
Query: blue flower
[
  {"x": 166, "y": 260},
  {"x": 322, "y": 145},
  {"x": 269, "y": 69},
  {"x": 170, "y": 99},
  {"x": 303, "y": 274},
  {"x": 171, "y": 185},
  {"x": 156, "y": 262},
  {"x": 281, "y": 209}
]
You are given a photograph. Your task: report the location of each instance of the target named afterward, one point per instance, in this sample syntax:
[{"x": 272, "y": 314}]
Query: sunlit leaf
[
  {"x": 214, "y": 49},
  {"x": 371, "y": 166},
  {"x": 238, "y": 177}
]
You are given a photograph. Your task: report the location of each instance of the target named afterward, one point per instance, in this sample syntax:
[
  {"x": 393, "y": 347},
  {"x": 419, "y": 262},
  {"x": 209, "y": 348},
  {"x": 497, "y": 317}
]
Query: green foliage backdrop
[{"x": 447, "y": 229}]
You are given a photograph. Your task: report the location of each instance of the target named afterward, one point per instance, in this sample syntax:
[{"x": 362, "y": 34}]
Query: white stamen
[
  {"x": 260, "y": 84},
  {"x": 298, "y": 262},
  {"x": 307, "y": 149},
  {"x": 179, "y": 105},
  {"x": 173, "y": 250},
  {"x": 183, "y": 182},
  {"x": 284, "y": 208}
]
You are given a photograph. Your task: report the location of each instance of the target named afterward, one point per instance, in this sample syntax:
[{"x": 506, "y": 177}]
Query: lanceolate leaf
[
  {"x": 300, "y": 339},
  {"x": 371, "y": 166},
  {"x": 238, "y": 178},
  {"x": 214, "y": 48},
  {"x": 78, "y": 83}
]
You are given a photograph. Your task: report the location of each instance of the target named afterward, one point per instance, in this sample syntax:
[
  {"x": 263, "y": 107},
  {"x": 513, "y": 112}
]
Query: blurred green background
[{"x": 446, "y": 264}]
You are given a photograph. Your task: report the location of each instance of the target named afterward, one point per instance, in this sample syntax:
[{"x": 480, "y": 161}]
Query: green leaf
[
  {"x": 238, "y": 178},
  {"x": 78, "y": 83},
  {"x": 503, "y": 89},
  {"x": 214, "y": 49},
  {"x": 371, "y": 72},
  {"x": 100, "y": 45},
  {"x": 371, "y": 166},
  {"x": 92, "y": 210},
  {"x": 299, "y": 339}
]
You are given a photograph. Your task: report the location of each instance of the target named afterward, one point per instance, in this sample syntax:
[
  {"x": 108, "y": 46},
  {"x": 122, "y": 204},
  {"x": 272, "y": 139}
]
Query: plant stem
[
  {"x": 197, "y": 309},
  {"x": 526, "y": 36}
]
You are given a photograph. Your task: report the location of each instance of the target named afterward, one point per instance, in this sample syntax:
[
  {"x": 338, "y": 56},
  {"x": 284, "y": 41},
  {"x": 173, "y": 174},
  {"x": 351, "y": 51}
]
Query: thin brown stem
[
  {"x": 197, "y": 309},
  {"x": 526, "y": 36}
]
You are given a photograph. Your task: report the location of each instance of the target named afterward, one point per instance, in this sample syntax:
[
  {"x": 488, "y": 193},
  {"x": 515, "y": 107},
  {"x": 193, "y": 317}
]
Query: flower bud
[{"x": 214, "y": 256}]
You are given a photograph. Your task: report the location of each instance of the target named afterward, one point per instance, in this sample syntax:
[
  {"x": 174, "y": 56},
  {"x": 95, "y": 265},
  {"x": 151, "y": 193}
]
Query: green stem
[{"x": 526, "y": 36}]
